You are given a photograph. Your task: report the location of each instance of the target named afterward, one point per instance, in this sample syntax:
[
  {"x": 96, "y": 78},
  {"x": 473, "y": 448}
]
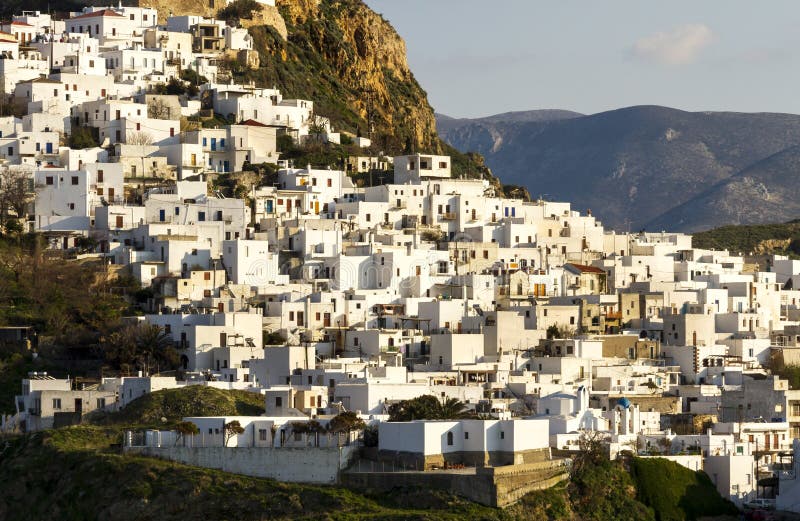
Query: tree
[
  {"x": 231, "y": 429},
  {"x": 158, "y": 109},
  {"x": 428, "y": 407},
  {"x": 184, "y": 429},
  {"x": 311, "y": 427},
  {"x": 559, "y": 331},
  {"x": 15, "y": 193},
  {"x": 345, "y": 423},
  {"x": 139, "y": 138},
  {"x": 141, "y": 345},
  {"x": 239, "y": 9},
  {"x": 82, "y": 137},
  {"x": 592, "y": 450},
  {"x": 153, "y": 343}
]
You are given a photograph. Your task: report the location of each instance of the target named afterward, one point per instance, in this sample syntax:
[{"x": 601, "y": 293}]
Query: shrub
[{"x": 239, "y": 9}]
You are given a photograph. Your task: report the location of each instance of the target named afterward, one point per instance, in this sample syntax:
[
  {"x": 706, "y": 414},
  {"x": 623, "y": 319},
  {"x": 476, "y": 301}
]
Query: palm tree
[
  {"x": 453, "y": 409},
  {"x": 152, "y": 342}
]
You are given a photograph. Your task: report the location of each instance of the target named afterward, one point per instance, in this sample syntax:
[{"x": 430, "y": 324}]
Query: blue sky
[{"x": 480, "y": 58}]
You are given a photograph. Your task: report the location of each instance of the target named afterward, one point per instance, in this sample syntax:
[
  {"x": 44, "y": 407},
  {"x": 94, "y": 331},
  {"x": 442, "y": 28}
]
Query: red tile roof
[
  {"x": 104, "y": 12},
  {"x": 584, "y": 268},
  {"x": 22, "y": 24},
  {"x": 253, "y": 123}
]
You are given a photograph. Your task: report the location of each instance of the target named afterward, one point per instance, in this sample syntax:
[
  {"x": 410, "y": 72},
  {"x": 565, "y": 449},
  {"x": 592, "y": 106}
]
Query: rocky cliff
[
  {"x": 342, "y": 55},
  {"x": 352, "y": 63}
]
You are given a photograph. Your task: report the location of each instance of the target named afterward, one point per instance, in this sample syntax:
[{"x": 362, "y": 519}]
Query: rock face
[
  {"x": 647, "y": 167},
  {"x": 352, "y": 63}
]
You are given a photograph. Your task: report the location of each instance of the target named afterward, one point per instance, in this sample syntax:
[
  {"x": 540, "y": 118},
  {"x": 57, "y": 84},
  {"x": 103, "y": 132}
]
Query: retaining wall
[{"x": 298, "y": 465}]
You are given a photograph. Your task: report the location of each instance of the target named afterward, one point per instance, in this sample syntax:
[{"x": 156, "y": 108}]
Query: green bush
[
  {"x": 676, "y": 493},
  {"x": 239, "y": 9},
  {"x": 82, "y": 137}
]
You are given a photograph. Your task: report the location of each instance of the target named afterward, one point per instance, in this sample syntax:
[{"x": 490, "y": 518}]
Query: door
[
  {"x": 111, "y": 194},
  {"x": 78, "y": 406},
  {"x": 226, "y": 166},
  {"x": 223, "y": 339},
  {"x": 48, "y": 148},
  {"x": 119, "y": 221},
  {"x": 213, "y": 144},
  {"x": 299, "y": 318},
  {"x": 316, "y": 207},
  {"x": 269, "y": 206},
  {"x": 326, "y": 320},
  {"x": 194, "y": 160},
  {"x": 162, "y": 215}
]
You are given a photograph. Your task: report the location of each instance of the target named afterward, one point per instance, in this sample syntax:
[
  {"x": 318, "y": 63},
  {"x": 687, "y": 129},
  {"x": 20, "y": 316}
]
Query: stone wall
[
  {"x": 491, "y": 486},
  {"x": 414, "y": 460},
  {"x": 298, "y": 465}
]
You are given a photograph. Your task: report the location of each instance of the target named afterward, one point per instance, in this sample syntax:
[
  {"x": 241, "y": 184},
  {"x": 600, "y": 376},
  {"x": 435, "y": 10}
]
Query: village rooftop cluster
[{"x": 548, "y": 327}]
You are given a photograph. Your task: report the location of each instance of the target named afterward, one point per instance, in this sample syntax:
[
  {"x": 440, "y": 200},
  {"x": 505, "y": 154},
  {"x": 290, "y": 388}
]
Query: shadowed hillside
[{"x": 636, "y": 165}]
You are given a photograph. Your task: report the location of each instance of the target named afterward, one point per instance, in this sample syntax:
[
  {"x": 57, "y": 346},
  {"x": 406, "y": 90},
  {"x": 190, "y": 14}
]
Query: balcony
[{"x": 448, "y": 216}]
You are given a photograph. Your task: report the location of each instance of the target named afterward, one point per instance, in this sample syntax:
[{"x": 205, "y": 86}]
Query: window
[
  {"x": 466, "y": 435},
  {"x": 262, "y": 434},
  {"x": 450, "y": 438},
  {"x": 330, "y": 183},
  {"x": 101, "y": 403},
  {"x": 278, "y": 401},
  {"x": 48, "y": 180},
  {"x": 502, "y": 435},
  {"x": 56, "y": 404}
]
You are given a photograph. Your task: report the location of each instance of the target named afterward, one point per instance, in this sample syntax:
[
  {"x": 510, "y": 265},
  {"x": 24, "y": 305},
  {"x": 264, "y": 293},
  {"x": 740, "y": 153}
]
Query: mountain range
[{"x": 646, "y": 167}]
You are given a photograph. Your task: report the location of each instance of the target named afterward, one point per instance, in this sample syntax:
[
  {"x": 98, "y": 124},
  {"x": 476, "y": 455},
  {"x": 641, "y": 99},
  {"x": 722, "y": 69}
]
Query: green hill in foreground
[
  {"x": 171, "y": 405},
  {"x": 78, "y": 473}
]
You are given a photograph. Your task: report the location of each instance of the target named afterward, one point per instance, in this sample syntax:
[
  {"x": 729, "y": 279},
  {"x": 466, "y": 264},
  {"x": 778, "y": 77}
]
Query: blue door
[
  {"x": 162, "y": 215},
  {"x": 269, "y": 206},
  {"x": 213, "y": 143},
  {"x": 226, "y": 166},
  {"x": 48, "y": 148}
]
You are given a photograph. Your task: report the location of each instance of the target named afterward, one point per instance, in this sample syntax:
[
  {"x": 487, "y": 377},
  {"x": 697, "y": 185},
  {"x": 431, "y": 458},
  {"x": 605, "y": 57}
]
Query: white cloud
[{"x": 677, "y": 47}]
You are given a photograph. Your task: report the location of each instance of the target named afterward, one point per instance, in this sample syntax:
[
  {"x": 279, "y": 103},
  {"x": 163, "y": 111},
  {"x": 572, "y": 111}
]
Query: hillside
[
  {"x": 172, "y": 405},
  {"x": 78, "y": 473},
  {"x": 636, "y": 166},
  {"x": 782, "y": 239}
]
